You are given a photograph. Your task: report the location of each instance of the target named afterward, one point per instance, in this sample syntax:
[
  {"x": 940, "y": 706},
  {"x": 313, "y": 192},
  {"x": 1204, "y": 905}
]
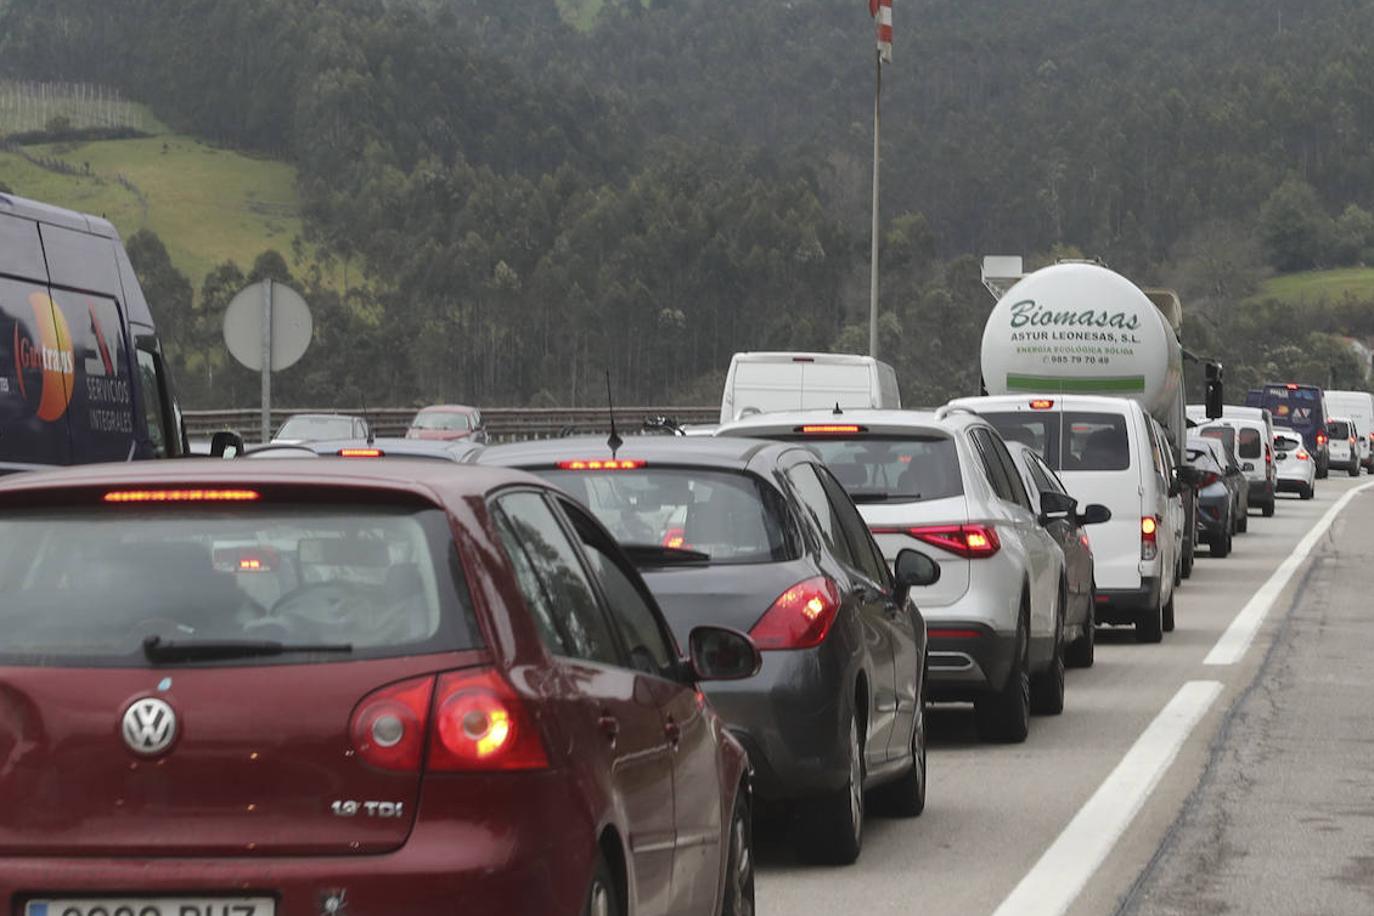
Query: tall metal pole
[
  {"x": 267, "y": 361},
  {"x": 873, "y": 252}
]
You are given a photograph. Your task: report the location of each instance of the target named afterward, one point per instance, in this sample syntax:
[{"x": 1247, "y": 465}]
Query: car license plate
[{"x": 162, "y": 906}]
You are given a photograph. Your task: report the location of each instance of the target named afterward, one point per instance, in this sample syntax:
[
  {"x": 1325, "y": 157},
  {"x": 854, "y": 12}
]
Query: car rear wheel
[
  {"x": 1168, "y": 616},
  {"x": 1354, "y": 469},
  {"x": 1081, "y": 652},
  {"x": 1185, "y": 564},
  {"x": 1306, "y": 492},
  {"x": 1047, "y": 687},
  {"x": 1243, "y": 525},
  {"x": 1004, "y": 716},
  {"x": 832, "y": 826},
  {"x": 601, "y": 896},
  {"x": 1149, "y": 626},
  {"x": 739, "y": 873},
  {"x": 907, "y": 796},
  {"x": 1269, "y": 509},
  {"x": 1221, "y": 545}
]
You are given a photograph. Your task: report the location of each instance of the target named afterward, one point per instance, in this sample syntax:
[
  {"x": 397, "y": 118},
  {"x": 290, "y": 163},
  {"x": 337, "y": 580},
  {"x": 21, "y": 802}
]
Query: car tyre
[
  {"x": 1307, "y": 492},
  {"x": 602, "y": 899},
  {"x": 739, "y": 874},
  {"x": 1269, "y": 509},
  {"x": 1168, "y": 616},
  {"x": 1221, "y": 545},
  {"x": 907, "y": 796},
  {"x": 1004, "y": 716},
  {"x": 1243, "y": 525},
  {"x": 1047, "y": 687},
  {"x": 1354, "y": 469},
  {"x": 1149, "y": 626},
  {"x": 832, "y": 826},
  {"x": 1081, "y": 652}
]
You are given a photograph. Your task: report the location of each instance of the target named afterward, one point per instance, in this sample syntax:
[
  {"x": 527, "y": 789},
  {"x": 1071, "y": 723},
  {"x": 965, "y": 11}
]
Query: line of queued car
[{"x": 563, "y": 676}]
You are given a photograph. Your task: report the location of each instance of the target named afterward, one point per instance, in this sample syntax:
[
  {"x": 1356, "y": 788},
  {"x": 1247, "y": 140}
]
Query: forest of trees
[{"x": 522, "y": 205}]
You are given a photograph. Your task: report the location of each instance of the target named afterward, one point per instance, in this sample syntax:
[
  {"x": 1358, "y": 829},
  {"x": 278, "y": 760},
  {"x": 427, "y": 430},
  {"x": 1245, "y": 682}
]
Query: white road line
[
  {"x": 1052, "y": 885},
  {"x": 1232, "y": 645}
]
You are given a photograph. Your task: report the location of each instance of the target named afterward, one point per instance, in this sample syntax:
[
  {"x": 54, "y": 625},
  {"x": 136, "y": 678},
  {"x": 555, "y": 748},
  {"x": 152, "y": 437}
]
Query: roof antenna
[
  {"x": 837, "y": 412},
  {"x": 614, "y": 441}
]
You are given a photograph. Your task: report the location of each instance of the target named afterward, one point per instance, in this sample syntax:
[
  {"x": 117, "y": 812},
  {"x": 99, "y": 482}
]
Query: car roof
[
  {"x": 324, "y": 416},
  {"x": 783, "y": 356},
  {"x": 1061, "y": 401},
  {"x": 449, "y": 449},
  {"x": 57, "y": 216},
  {"x": 709, "y": 451},
  {"x": 442, "y": 483},
  {"x": 448, "y": 408},
  {"x": 788, "y": 420}
]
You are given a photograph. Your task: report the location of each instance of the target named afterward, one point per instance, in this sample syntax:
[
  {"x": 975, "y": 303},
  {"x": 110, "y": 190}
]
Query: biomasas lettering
[{"x": 1029, "y": 313}]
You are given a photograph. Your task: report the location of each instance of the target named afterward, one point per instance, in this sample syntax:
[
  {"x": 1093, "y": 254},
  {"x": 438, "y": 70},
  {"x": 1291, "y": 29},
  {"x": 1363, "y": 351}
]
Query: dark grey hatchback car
[{"x": 758, "y": 536}]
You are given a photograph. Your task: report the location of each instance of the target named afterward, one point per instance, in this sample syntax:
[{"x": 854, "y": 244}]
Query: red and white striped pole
[{"x": 882, "y": 11}]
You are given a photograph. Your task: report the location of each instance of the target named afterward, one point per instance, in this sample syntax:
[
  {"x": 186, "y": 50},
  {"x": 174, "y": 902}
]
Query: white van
[
  {"x": 1358, "y": 406},
  {"x": 1111, "y": 452},
  {"x": 1254, "y": 447},
  {"x": 769, "y": 382}
]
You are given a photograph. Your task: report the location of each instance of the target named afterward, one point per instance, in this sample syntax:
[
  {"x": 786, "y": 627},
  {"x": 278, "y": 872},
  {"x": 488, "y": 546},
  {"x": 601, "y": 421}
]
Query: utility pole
[{"x": 873, "y": 249}]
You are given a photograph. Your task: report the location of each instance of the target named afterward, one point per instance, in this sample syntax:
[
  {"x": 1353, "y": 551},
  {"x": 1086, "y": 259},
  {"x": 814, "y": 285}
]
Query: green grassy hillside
[
  {"x": 1316, "y": 285},
  {"x": 207, "y": 204}
]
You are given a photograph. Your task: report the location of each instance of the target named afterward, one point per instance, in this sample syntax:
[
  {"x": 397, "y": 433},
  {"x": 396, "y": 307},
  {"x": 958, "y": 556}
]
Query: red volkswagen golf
[{"x": 329, "y": 688}]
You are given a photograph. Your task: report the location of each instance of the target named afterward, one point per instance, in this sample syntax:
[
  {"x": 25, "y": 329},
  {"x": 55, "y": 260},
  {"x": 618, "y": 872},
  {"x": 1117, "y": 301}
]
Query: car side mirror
[
  {"x": 1176, "y": 487},
  {"x": 1215, "y": 396},
  {"x": 1055, "y": 506},
  {"x": 226, "y": 444},
  {"x": 1095, "y": 515},
  {"x": 722, "y": 654},
  {"x": 1187, "y": 475},
  {"x": 913, "y": 569},
  {"x": 1247, "y": 466}
]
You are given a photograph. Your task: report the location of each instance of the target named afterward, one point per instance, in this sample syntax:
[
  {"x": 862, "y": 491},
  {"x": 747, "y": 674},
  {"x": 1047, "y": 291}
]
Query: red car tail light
[
  {"x": 1301, "y": 455},
  {"x": 972, "y": 542},
  {"x": 1321, "y": 438},
  {"x": 182, "y": 496},
  {"x": 1149, "y": 537},
  {"x": 800, "y": 618},
  {"x": 389, "y": 725},
  {"x": 481, "y": 723}
]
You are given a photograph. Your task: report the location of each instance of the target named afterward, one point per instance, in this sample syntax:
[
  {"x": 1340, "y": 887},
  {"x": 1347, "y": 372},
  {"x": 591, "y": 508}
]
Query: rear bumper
[
  {"x": 537, "y": 860},
  {"x": 1126, "y": 605},
  {"x": 1211, "y": 517},
  {"x": 976, "y": 661},
  {"x": 1292, "y": 484}
]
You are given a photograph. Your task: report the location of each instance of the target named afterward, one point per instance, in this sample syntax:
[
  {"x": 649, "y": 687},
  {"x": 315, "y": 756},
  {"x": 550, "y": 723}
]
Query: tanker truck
[{"x": 1086, "y": 367}]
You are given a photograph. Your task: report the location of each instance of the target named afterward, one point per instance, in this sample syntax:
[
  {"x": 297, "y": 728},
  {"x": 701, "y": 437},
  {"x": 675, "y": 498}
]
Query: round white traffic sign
[{"x": 291, "y": 326}]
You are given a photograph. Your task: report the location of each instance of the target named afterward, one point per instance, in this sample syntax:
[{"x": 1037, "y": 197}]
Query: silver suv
[{"x": 946, "y": 484}]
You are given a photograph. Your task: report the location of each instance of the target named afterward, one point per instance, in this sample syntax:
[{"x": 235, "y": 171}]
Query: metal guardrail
[{"x": 504, "y": 424}]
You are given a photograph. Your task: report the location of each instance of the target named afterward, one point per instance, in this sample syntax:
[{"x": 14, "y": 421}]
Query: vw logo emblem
[{"x": 150, "y": 726}]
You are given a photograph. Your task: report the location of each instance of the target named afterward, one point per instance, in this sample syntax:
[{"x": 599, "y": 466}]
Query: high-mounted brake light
[
  {"x": 360, "y": 453},
  {"x": 972, "y": 542},
  {"x": 1149, "y": 537},
  {"x": 182, "y": 496},
  {"x": 1291, "y": 387},
  {"x": 675, "y": 538},
  {"x": 800, "y": 618},
  {"x": 601, "y": 464},
  {"x": 1041, "y": 404},
  {"x": 478, "y": 723},
  {"x": 822, "y": 429}
]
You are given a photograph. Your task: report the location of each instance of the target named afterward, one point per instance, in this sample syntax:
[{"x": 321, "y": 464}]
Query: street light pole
[{"x": 873, "y": 251}]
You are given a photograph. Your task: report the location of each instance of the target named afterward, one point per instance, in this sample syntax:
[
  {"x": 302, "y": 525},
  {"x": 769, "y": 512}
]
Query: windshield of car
[
  {"x": 1069, "y": 440},
  {"x": 442, "y": 420},
  {"x": 731, "y": 517},
  {"x": 79, "y": 586},
  {"x": 893, "y": 468},
  {"x": 316, "y": 428}
]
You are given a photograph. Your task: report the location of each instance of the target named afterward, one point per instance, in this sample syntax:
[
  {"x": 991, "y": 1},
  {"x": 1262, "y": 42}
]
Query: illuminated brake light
[
  {"x": 1321, "y": 438},
  {"x": 1301, "y": 454},
  {"x": 1149, "y": 537},
  {"x": 1291, "y": 387},
  {"x": 972, "y": 542},
  {"x": 1041, "y": 404},
  {"x": 360, "y": 453},
  {"x": 675, "y": 538},
  {"x": 182, "y": 496},
  {"x": 800, "y": 618},
  {"x": 601, "y": 464},
  {"x": 821, "y": 429}
]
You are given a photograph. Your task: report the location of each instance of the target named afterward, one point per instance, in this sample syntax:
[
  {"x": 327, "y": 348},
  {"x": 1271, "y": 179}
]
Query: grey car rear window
[
  {"x": 892, "y": 468},
  {"x": 1069, "y": 440}
]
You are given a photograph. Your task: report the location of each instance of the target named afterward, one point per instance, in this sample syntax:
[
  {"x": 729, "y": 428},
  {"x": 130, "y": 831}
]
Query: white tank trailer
[{"x": 1079, "y": 328}]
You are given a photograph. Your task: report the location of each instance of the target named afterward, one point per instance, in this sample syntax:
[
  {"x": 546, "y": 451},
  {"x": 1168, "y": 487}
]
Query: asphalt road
[{"x": 1169, "y": 783}]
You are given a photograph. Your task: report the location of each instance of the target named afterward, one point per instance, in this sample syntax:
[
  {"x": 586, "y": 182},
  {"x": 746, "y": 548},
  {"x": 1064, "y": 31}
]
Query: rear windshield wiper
[
  {"x": 658, "y": 555},
  {"x": 156, "y": 649}
]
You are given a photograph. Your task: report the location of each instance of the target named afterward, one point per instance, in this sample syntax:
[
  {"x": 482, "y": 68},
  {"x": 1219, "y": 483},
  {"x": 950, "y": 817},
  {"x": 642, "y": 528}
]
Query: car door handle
[
  {"x": 610, "y": 727},
  {"x": 673, "y": 732}
]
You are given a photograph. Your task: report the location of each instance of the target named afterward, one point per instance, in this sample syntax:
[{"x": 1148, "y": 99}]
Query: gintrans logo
[{"x": 46, "y": 368}]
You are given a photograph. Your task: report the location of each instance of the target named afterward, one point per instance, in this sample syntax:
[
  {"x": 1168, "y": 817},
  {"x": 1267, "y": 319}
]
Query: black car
[
  {"x": 1058, "y": 513},
  {"x": 1218, "y": 493},
  {"x": 759, "y": 537}
]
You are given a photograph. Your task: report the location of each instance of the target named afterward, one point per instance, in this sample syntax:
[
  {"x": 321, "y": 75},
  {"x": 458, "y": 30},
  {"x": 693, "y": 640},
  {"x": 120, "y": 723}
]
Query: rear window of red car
[{"x": 90, "y": 585}]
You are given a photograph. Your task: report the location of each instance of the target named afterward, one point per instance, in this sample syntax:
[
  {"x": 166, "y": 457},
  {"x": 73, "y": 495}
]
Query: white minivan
[
  {"x": 770, "y": 382},
  {"x": 1109, "y": 451},
  {"x": 1254, "y": 447},
  {"x": 1358, "y": 406}
]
